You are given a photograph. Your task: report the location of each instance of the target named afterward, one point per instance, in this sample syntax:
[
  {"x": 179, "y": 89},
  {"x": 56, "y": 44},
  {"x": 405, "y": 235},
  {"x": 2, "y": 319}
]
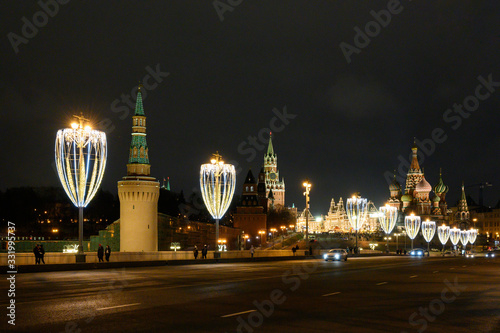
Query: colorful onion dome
[
  {"x": 395, "y": 186},
  {"x": 440, "y": 186},
  {"x": 436, "y": 198},
  {"x": 407, "y": 198},
  {"x": 423, "y": 186}
]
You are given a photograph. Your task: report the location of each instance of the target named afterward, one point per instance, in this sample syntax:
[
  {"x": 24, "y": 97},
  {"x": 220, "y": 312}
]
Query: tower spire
[
  {"x": 138, "y": 161},
  {"x": 270, "y": 150}
]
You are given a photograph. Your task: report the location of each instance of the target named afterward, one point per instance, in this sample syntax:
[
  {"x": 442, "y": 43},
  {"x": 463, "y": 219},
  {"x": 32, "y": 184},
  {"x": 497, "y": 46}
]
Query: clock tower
[{"x": 272, "y": 178}]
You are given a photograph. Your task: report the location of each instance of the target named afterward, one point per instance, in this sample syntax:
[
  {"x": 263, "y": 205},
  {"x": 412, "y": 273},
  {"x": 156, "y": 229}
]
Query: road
[{"x": 382, "y": 294}]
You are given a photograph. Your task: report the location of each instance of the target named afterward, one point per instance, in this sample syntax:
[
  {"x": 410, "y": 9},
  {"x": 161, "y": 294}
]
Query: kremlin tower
[
  {"x": 138, "y": 192},
  {"x": 270, "y": 177}
]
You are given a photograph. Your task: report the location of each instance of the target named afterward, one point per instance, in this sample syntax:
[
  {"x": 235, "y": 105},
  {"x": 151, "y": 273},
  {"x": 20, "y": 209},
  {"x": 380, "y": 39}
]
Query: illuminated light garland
[
  {"x": 412, "y": 226},
  {"x": 80, "y": 154},
  {"x": 443, "y": 234},
  {"x": 472, "y": 236},
  {"x": 388, "y": 217},
  {"x": 455, "y": 236},
  {"x": 217, "y": 183},
  {"x": 356, "y": 211},
  {"x": 428, "y": 231},
  {"x": 464, "y": 237}
]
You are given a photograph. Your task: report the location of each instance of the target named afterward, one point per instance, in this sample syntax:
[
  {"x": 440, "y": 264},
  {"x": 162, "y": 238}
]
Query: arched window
[
  {"x": 135, "y": 152},
  {"x": 142, "y": 152},
  {"x": 251, "y": 188}
]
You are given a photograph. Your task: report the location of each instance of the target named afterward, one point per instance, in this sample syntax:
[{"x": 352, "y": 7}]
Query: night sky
[{"x": 354, "y": 122}]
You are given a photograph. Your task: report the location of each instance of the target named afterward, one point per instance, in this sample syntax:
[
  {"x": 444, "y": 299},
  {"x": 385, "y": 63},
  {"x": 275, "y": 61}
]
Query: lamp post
[
  {"x": 273, "y": 230},
  {"x": 261, "y": 233},
  {"x": 443, "y": 234},
  {"x": 455, "y": 237},
  {"x": 428, "y": 231},
  {"x": 307, "y": 185},
  {"x": 388, "y": 217},
  {"x": 217, "y": 182},
  {"x": 397, "y": 240},
  {"x": 245, "y": 238},
  {"x": 412, "y": 226},
  {"x": 80, "y": 154},
  {"x": 356, "y": 213}
]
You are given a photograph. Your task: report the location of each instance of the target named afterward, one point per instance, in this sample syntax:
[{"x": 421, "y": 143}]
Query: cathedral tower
[{"x": 138, "y": 192}]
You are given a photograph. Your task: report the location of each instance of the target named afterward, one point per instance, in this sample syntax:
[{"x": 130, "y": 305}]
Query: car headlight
[
  {"x": 337, "y": 256},
  {"x": 325, "y": 256},
  {"x": 492, "y": 255},
  {"x": 419, "y": 253},
  {"x": 412, "y": 253}
]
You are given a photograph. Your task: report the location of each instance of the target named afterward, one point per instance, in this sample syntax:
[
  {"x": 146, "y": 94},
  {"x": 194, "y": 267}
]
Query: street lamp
[
  {"x": 307, "y": 185},
  {"x": 261, "y": 233},
  {"x": 80, "y": 154},
  {"x": 388, "y": 217},
  {"x": 455, "y": 237},
  {"x": 412, "y": 226},
  {"x": 397, "y": 240},
  {"x": 428, "y": 231},
  {"x": 443, "y": 234},
  {"x": 273, "y": 230},
  {"x": 356, "y": 213},
  {"x": 245, "y": 237},
  {"x": 217, "y": 182}
]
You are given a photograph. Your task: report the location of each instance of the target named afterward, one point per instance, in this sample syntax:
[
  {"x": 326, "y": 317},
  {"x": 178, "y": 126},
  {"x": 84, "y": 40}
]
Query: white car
[
  {"x": 417, "y": 252},
  {"x": 470, "y": 254},
  {"x": 335, "y": 254}
]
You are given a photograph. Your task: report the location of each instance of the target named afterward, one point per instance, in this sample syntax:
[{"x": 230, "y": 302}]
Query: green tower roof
[{"x": 139, "y": 109}]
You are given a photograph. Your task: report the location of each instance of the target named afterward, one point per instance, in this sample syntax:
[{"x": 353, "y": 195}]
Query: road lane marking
[
  {"x": 238, "y": 313},
  {"x": 435, "y": 271},
  {"x": 381, "y": 283},
  {"x": 413, "y": 276},
  {"x": 452, "y": 267},
  {"x": 335, "y": 293},
  {"x": 118, "y": 306},
  {"x": 464, "y": 266}
]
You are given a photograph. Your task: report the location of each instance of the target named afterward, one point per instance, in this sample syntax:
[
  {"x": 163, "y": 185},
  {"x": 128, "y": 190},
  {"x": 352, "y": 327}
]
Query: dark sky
[{"x": 353, "y": 120}]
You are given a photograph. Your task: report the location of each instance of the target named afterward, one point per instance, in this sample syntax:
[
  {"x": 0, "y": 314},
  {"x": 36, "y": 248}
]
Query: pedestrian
[
  {"x": 36, "y": 251},
  {"x": 204, "y": 252},
  {"x": 294, "y": 250},
  {"x": 107, "y": 252},
  {"x": 100, "y": 253},
  {"x": 405, "y": 252},
  {"x": 252, "y": 250},
  {"x": 310, "y": 250},
  {"x": 195, "y": 252},
  {"x": 42, "y": 254}
]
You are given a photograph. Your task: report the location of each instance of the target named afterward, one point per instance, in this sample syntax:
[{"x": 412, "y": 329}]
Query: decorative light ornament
[
  {"x": 217, "y": 183},
  {"x": 428, "y": 231},
  {"x": 356, "y": 213},
  {"x": 388, "y": 217},
  {"x": 412, "y": 226},
  {"x": 455, "y": 236},
  {"x": 443, "y": 234},
  {"x": 472, "y": 236},
  {"x": 80, "y": 154},
  {"x": 464, "y": 237}
]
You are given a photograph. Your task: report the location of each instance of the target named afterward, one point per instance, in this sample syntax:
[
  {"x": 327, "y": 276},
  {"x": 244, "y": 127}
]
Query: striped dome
[
  {"x": 395, "y": 186},
  {"x": 440, "y": 186}
]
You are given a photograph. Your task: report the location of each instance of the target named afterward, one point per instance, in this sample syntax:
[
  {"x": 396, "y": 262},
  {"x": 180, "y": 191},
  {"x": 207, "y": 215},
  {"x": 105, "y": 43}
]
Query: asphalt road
[{"x": 383, "y": 294}]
